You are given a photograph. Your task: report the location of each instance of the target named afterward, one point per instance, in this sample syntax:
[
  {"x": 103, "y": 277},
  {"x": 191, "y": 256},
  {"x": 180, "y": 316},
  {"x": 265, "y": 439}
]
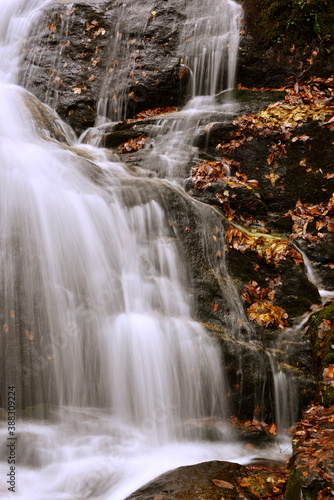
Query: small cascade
[
  {"x": 285, "y": 392},
  {"x": 209, "y": 49},
  {"x": 36, "y": 54},
  {"x": 210, "y": 45}
]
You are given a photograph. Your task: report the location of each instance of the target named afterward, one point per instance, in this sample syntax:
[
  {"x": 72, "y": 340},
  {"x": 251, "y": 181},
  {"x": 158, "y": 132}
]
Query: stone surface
[
  {"x": 194, "y": 482},
  {"x": 115, "y": 60}
]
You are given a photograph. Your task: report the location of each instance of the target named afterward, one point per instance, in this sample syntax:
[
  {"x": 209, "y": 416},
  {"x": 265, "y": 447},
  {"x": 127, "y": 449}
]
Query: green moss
[
  {"x": 323, "y": 354},
  {"x": 290, "y": 22},
  {"x": 294, "y": 487},
  {"x": 328, "y": 396}
]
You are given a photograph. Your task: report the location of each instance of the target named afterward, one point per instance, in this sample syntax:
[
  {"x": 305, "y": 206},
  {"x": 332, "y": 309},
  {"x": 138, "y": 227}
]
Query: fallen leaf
[
  {"x": 272, "y": 429},
  {"x": 222, "y": 484}
]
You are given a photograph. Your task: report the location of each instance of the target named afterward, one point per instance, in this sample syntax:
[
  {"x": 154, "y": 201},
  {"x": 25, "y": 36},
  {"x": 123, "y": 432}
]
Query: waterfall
[
  {"x": 95, "y": 297},
  {"x": 211, "y": 36}
]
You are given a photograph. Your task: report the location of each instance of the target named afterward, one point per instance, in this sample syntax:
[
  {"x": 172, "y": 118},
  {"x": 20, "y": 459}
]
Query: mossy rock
[
  {"x": 321, "y": 332},
  {"x": 290, "y": 22}
]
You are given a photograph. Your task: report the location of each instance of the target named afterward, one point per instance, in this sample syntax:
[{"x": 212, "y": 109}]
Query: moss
[
  {"x": 249, "y": 96},
  {"x": 323, "y": 354},
  {"x": 294, "y": 487},
  {"x": 290, "y": 22},
  {"x": 328, "y": 396}
]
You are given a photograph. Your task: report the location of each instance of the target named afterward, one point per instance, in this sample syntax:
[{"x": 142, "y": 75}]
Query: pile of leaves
[
  {"x": 273, "y": 250},
  {"x": 266, "y": 314},
  {"x": 313, "y": 440},
  {"x": 207, "y": 172},
  {"x": 261, "y": 299},
  {"x": 303, "y": 214},
  {"x": 150, "y": 113},
  {"x": 133, "y": 144}
]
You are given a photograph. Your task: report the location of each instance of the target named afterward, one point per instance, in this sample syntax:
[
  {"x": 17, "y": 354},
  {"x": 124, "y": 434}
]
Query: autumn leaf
[
  {"x": 215, "y": 306},
  {"x": 222, "y": 484},
  {"x": 272, "y": 429}
]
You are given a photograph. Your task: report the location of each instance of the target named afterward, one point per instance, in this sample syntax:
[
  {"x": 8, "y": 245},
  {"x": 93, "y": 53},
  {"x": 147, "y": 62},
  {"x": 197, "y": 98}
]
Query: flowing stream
[{"x": 91, "y": 275}]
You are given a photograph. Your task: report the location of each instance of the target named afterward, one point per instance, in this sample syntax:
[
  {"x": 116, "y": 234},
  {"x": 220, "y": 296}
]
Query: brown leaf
[
  {"x": 223, "y": 484},
  {"x": 272, "y": 429}
]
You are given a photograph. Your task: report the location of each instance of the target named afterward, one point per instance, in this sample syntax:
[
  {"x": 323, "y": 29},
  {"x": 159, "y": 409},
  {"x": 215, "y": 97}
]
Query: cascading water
[
  {"x": 209, "y": 48},
  {"x": 94, "y": 295}
]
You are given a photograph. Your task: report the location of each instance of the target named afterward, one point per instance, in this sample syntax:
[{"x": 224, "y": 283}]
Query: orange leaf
[
  {"x": 215, "y": 306},
  {"x": 272, "y": 429}
]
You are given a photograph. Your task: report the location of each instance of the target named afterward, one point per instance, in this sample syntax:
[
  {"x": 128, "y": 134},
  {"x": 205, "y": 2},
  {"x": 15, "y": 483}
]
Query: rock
[
  {"x": 104, "y": 58},
  {"x": 321, "y": 333},
  {"x": 216, "y": 480},
  {"x": 194, "y": 482},
  {"x": 312, "y": 463},
  {"x": 281, "y": 42}
]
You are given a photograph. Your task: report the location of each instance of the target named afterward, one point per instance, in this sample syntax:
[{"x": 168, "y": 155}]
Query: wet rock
[
  {"x": 46, "y": 122},
  {"x": 321, "y": 333},
  {"x": 100, "y": 57},
  {"x": 312, "y": 463},
  {"x": 216, "y": 480},
  {"x": 194, "y": 482}
]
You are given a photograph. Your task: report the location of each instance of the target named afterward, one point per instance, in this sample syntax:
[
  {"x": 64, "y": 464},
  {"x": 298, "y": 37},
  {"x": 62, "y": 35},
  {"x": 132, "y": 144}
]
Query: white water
[
  {"x": 210, "y": 49},
  {"x": 91, "y": 271}
]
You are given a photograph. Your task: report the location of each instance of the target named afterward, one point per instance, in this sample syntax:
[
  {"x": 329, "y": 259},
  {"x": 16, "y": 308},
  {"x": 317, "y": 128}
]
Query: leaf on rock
[{"x": 222, "y": 484}]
